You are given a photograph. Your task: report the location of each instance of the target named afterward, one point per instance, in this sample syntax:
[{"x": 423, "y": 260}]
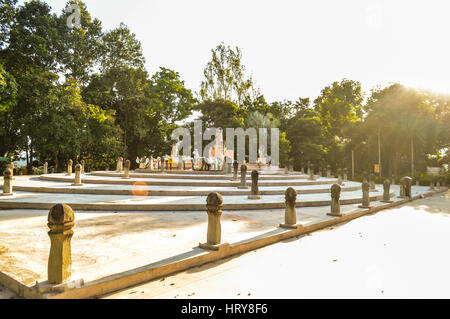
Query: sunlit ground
[{"x": 397, "y": 253}]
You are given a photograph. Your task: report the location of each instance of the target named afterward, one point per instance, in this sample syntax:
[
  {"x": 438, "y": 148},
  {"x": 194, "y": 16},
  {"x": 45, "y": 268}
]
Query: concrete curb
[
  {"x": 10, "y": 204},
  {"x": 152, "y": 192}
]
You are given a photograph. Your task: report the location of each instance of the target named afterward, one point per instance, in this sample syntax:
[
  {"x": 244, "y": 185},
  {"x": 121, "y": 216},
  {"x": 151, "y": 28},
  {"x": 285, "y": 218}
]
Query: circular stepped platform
[
  {"x": 27, "y": 200},
  {"x": 225, "y": 177},
  {"x": 143, "y": 189},
  {"x": 182, "y": 181},
  {"x": 108, "y": 191}
]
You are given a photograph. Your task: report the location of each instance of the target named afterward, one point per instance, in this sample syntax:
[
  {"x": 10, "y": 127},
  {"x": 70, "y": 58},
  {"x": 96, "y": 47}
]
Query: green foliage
[{"x": 225, "y": 77}]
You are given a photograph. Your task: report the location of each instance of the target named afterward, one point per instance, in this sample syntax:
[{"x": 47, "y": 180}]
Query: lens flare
[{"x": 139, "y": 189}]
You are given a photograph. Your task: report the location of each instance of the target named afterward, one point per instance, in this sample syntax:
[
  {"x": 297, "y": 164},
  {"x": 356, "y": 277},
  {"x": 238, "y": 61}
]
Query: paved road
[{"x": 396, "y": 253}]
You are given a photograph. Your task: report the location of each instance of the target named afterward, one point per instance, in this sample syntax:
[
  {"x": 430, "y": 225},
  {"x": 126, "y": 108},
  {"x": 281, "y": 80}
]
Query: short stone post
[
  {"x": 77, "y": 181},
  {"x": 11, "y": 167},
  {"x": 61, "y": 220},
  {"x": 235, "y": 170},
  {"x": 335, "y": 205},
  {"x": 345, "y": 175},
  {"x": 339, "y": 171},
  {"x": 82, "y": 162},
  {"x": 311, "y": 172},
  {"x": 45, "y": 168},
  {"x": 386, "y": 191},
  {"x": 402, "y": 188},
  {"x": 328, "y": 171},
  {"x": 290, "y": 214},
  {"x": 365, "y": 195},
  {"x": 308, "y": 168},
  {"x": 393, "y": 179},
  {"x": 407, "y": 183},
  {"x": 163, "y": 164},
  {"x": 243, "y": 177},
  {"x": 255, "y": 190},
  {"x": 214, "y": 204},
  {"x": 324, "y": 172},
  {"x": 7, "y": 182},
  {"x": 121, "y": 164},
  {"x": 320, "y": 172},
  {"x": 286, "y": 168},
  {"x": 126, "y": 169},
  {"x": 372, "y": 181},
  {"x": 69, "y": 168},
  {"x": 438, "y": 182}
]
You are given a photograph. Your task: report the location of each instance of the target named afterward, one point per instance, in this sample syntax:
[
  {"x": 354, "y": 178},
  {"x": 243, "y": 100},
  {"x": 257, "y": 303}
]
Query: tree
[
  {"x": 170, "y": 97},
  {"x": 406, "y": 120},
  {"x": 225, "y": 76},
  {"x": 79, "y": 48},
  {"x": 121, "y": 49},
  {"x": 339, "y": 105},
  {"x": 7, "y": 14}
]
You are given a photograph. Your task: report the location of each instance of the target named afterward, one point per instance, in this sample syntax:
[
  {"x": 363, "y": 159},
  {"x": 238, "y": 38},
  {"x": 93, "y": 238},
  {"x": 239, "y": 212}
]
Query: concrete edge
[{"x": 11, "y": 204}]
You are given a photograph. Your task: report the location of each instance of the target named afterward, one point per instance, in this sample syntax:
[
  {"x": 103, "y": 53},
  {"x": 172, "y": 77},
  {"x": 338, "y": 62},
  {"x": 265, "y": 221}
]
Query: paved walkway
[{"x": 396, "y": 253}]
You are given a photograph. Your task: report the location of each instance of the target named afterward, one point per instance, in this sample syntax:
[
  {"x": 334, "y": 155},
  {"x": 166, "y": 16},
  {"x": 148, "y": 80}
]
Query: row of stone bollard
[{"x": 61, "y": 221}]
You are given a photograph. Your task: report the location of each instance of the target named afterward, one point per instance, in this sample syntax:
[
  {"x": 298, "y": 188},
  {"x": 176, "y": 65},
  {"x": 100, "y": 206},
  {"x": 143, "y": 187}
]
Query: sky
[{"x": 292, "y": 48}]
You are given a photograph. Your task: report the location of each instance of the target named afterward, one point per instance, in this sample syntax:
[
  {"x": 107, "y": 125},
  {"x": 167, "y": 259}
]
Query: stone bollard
[
  {"x": 345, "y": 175},
  {"x": 386, "y": 191},
  {"x": 320, "y": 172},
  {"x": 286, "y": 168},
  {"x": 61, "y": 220},
  {"x": 45, "y": 168},
  {"x": 366, "y": 195},
  {"x": 308, "y": 167},
  {"x": 7, "y": 182},
  {"x": 339, "y": 171},
  {"x": 121, "y": 164},
  {"x": 311, "y": 172},
  {"x": 393, "y": 179},
  {"x": 69, "y": 168},
  {"x": 118, "y": 165},
  {"x": 438, "y": 182},
  {"x": 126, "y": 169},
  {"x": 402, "y": 188},
  {"x": 82, "y": 162},
  {"x": 78, "y": 169},
  {"x": 243, "y": 177},
  {"x": 328, "y": 171},
  {"x": 235, "y": 170},
  {"x": 214, "y": 204},
  {"x": 335, "y": 205},
  {"x": 255, "y": 190},
  {"x": 11, "y": 167},
  {"x": 407, "y": 183},
  {"x": 290, "y": 214},
  {"x": 372, "y": 181}
]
